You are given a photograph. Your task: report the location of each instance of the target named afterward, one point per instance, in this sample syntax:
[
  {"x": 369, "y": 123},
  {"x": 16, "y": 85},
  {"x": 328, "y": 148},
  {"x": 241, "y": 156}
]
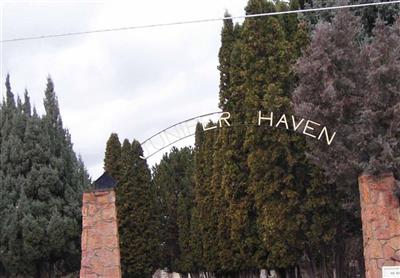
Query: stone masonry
[
  {"x": 100, "y": 245},
  {"x": 380, "y": 215}
]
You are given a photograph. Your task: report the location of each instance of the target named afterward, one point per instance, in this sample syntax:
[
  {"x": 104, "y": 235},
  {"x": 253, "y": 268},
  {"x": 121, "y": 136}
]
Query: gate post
[
  {"x": 100, "y": 242},
  {"x": 380, "y": 216}
]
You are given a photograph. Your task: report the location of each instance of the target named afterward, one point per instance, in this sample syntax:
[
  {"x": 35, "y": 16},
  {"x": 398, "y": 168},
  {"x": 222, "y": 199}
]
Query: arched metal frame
[
  {"x": 167, "y": 137},
  {"x": 164, "y": 135}
]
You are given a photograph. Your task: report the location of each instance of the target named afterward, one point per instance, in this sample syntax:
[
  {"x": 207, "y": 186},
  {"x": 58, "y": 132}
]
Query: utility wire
[{"x": 39, "y": 37}]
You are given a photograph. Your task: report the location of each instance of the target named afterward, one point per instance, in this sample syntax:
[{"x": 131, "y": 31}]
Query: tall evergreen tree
[
  {"x": 380, "y": 116},
  {"x": 224, "y": 57},
  {"x": 204, "y": 217},
  {"x": 198, "y": 196},
  {"x": 112, "y": 156},
  {"x": 42, "y": 181},
  {"x": 254, "y": 57},
  {"x": 173, "y": 181},
  {"x": 137, "y": 221},
  {"x": 207, "y": 212},
  {"x": 276, "y": 158},
  {"x": 334, "y": 50},
  {"x": 220, "y": 199},
  {"x": 234, "y": 169},
  {"x": 368, "y": 15},
  {"x": 350, "y": 73}
]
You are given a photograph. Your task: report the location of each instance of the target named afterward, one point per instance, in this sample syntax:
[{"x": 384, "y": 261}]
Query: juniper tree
[
  {"x": 8, "y": 109},
  {"x": 137, "y": 221},
  {"x": 112, "y": 156},
  {"x": 380, "y": 124},
  {"x": 334, "y": 60},
  {"x": 220, "y": 204},
  {"x": 275, "y": 185},
  {"x": 69, "y": 181},
  {"x": 204, "y": 198},
  {"x": 275, "y": 158},
  {"x": 224, "y": 57},
  {"x": 350, "y": 74},
  {"x": 198, "y": 196},
  {"x": 184, "y": 209},
  {"x": 236, "y": 256},
  {"x": 334, "y": 51},
  {"x": 228, "y": 159},
  {"x": 42, "y": 181},
  {"x": 368, "y": 15},
  {"x": 173, "y": 181}
]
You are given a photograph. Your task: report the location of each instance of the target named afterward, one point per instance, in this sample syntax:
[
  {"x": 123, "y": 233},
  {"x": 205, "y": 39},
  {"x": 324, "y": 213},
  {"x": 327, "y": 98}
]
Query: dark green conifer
[
  {"x": 137, "y": 220},
  {"x": 224, "y": 57},
  {"x": 276, "y": 160},
  {"x": 112, "y": 156},
  {"x": 173, "y": 181},
  {"x": 220, "y": 201},
  {"x": 368, "y": 15},
  {"x": 42, "y": 181},
  {"x": 196, "y": 229},
  {"x": 207, "y": 212}
]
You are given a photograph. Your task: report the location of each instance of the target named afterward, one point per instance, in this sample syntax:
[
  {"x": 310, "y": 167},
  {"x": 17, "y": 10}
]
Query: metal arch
[{"x": 158, "y": 134}]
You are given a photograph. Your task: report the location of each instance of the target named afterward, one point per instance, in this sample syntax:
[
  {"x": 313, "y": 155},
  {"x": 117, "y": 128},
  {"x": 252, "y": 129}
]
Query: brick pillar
[
  {"x": 100, "y": 245},
  {"x": 380, "y": 215}
]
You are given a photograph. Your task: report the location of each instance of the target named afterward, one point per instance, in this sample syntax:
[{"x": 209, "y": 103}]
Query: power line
[{"x": 193, "y": 21}]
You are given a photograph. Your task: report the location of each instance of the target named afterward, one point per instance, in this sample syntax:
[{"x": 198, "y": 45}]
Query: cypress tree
[
  {"x": 173, "y": 181},
  {"x": 335, "y": 46},
  {"x": 235, "y": 226},
  {"x": 27, "y": 104},
  {"x": 196, "y": 230},
  {"x": 380, "y": 150},
  {"x": 280, "y": 177},
  {"x": 207, "y": 211},
  {"x": 8, "y": 109},
  {"x": 184, "y": 206},
  {"x": 229, "y": 37},
  {"x": 220, "y": 205},
  {"x": 368, "y": 15},
  {"x": 137, "y": 221},
  {"x": 353, "y": 73},
  {"x": 224, "y": 57},
  {"x": 42, "y": 181},
  {"x": 264, "y": 41},
  {"x": 112, "y": 156},
  {"x": 204, "y": 217}
]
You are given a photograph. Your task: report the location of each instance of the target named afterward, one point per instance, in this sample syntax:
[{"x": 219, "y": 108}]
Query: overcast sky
[{"x": 134, "y": 83}]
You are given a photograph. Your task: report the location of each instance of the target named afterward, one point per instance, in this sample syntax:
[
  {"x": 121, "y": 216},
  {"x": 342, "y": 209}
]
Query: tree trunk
[
  {"x": 307, "y": 266},
  {"x": 194, "y": 275},
  {"x": 339, "y": 265}
]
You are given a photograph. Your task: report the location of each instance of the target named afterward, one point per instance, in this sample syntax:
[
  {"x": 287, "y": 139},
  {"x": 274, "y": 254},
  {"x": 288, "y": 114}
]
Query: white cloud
[{"x": 133, "y": 82}]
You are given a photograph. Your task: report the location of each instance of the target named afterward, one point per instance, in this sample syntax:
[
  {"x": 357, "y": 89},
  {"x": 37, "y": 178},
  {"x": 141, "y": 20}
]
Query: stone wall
[
  {"x": 100, "y": 245},
  {"x": 381, "y": 223}
]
